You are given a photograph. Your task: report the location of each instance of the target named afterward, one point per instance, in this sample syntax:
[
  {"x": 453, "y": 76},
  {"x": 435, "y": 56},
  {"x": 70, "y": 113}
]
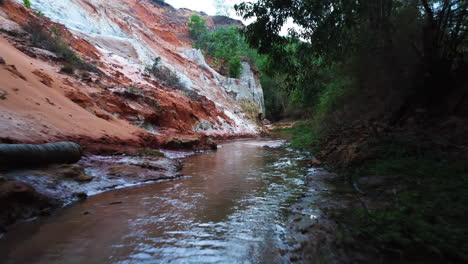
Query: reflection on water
[{"x": 230, "y": 210}]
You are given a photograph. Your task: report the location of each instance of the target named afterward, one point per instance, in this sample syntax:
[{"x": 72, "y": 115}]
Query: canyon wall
[{"x": 122, "y": 102}]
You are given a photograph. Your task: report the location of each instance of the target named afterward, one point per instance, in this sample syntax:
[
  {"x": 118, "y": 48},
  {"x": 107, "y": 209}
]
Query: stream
[{"x": 231, "y": 207}]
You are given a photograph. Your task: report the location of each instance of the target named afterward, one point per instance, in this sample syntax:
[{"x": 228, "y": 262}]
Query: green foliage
[
  {"x": 425, "y": 201},
  {"x": 197, "y": 27},
  {"x": 227, "y": 45},
  {"x": 304, "y": 136},
  {"x": 235, "y": 67},
  {"x": 55, "y": 31},
  {"x": 430, "y": 214},
  {"x": 224, "y": 43},
  {"x": 151, "y": 152},
  {"x": 373, "y": 59},
  {"x": 275, "y": 97},
  {"x": 27, "y": 4},
  {"x": 398, "y": 49}
]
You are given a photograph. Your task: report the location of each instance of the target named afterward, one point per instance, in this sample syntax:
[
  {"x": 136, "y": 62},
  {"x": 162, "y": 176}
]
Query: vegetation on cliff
[
  {"x": 52, "y": 41},
  {"x": 224, "y": 43},
  {"x": 228, "y": 46}
]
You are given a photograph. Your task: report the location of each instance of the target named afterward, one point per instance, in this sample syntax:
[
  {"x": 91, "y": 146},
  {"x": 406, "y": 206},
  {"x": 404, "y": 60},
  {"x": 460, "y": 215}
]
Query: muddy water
[{"x": 231, "y": 208}]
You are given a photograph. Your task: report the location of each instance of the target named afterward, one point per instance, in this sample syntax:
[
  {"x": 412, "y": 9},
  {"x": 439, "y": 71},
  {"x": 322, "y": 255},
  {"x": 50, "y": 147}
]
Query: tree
[
  {"x": 224, "y": 43},
  {"x": 197, "y": 27},
  {"x": 419, "y": 56}
]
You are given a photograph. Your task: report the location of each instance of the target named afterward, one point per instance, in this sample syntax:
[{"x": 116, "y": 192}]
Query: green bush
[
  {"x": 224, "y": 42},
  {"x": 304, "y": 136},
  {"x": 425, "y": 200},
  {"x": 235, "y": 67},
  {"x": 430, "y": 214},
  {"x": 197, "y": 27},
  {"x": 27, "y": 3}
]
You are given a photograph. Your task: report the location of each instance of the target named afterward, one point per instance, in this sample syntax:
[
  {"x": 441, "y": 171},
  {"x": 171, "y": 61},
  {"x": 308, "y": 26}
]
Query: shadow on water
[{"x": 231, "y": 209}]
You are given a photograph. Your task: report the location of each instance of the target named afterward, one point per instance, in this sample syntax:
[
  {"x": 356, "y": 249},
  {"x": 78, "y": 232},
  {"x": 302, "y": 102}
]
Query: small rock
[
  {"x": 84, "y": 178},
  {"x": 86, "y": 77},
  {"x": 3, "y": 94},
  {"x": 2, "y": 61},
  {"x": 76, "y": 172},
  {"x": 81, "y": 195},
  {"x": 182, "y": 142},
  {"x": 266, "y": 121},
  {"x": 114, "y": 203},
  {"x": 87, "y": 212},
  {"x": 212, "y": 144}
]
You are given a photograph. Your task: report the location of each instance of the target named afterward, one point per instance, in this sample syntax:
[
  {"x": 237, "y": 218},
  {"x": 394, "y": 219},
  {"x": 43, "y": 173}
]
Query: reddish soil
[{"x": 102, "y": 112}]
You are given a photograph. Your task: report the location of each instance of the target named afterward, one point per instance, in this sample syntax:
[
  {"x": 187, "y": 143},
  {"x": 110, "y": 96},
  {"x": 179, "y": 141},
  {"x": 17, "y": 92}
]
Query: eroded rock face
[{"x": 130, "y": 34}]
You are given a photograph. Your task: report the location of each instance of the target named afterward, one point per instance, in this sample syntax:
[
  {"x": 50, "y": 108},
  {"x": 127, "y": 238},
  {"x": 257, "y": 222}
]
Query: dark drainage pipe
[{"x": 23, "y": 155}]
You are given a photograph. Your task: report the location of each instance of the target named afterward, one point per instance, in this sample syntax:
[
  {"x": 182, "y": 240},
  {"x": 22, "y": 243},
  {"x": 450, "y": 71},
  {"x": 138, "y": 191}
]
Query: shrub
[
  {"x": 42, "y": 39},
  {"x": 192, "y": 95},
  {"x": 165, "y": 75},
  {"x": 224, "y": 42},
  {"x": 235, "y": 67},
  {"x": 304, "y": 136},
  {"x": 427, "y": 215},
  {"x": 197, "y": 27},
  {"x": 151, "y": 152},
  {"x": 27, "y": 3}
]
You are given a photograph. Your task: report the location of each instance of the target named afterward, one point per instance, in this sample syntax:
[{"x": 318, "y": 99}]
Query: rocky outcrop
[
  {"x": 107, "y": 101},
  {"x": 94, "y": 174},
  {"x": 19, "y": 200},
  {"x": 32, "y": 192},
  {"x": 133, "y": 33},
  {"x": 121, "y": 100}
]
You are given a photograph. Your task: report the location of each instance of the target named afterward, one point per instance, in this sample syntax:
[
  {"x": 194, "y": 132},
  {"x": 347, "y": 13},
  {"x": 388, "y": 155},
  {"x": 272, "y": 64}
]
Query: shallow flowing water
[{"x": 231, "y": 208}]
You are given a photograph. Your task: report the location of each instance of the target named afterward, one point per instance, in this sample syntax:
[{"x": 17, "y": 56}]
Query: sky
[{"x": 209, "y": 7}]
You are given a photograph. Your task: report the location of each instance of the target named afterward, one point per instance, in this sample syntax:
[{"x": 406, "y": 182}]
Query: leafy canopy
[{"x": 224, "y": 42}]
